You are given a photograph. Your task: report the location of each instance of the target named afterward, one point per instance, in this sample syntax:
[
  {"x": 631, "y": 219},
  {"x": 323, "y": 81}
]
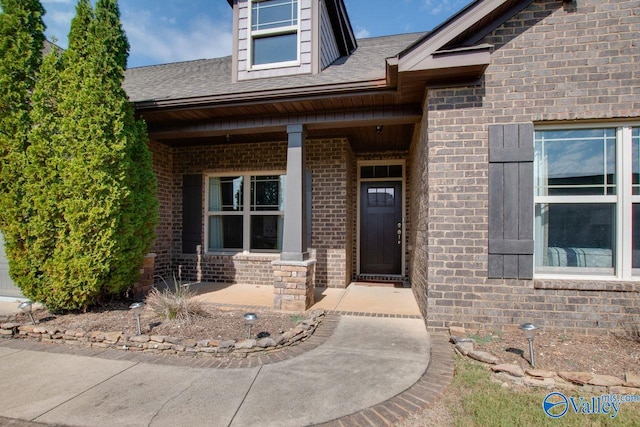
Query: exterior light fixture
[
  {"x": 379, "y": 129},
  {"x": 136, "y": 308},
  {"x": 529, "y": 331},
  {"x": 250, "y": 319},
  {"x": 27, "y": 307}
]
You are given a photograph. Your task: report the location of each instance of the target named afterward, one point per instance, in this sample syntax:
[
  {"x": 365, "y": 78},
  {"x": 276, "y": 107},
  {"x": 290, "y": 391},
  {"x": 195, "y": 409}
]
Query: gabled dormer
[{"x": 274, "y": 38}]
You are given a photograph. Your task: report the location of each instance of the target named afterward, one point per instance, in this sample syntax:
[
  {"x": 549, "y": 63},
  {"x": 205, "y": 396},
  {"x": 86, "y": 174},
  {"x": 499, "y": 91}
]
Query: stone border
[
  {"x": 266, "y": 350},
  {"x": 510, "y": 374},
  {"x": 324, "y": 330},
  {"x": 424, "y": 393}
]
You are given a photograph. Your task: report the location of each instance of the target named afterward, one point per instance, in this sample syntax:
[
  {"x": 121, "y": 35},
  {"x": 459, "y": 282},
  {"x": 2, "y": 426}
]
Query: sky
[{"x": 162, "y": 31}]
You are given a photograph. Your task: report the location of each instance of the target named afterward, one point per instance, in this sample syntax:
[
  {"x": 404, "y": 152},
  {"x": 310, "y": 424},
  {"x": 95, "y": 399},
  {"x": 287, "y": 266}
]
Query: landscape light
[
  {"x": 529, "y": 331},
  {"x": 136, "y": 308},
  {"x": 26, "y": 307},
  {"x": 250, "y": 319}
]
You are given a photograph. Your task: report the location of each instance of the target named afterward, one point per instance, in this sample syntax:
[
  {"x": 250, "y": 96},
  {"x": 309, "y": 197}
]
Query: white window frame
[
  {"x": 254, "y": 34},
  {"x": 246, "y": 211},
  {"x": 623, "y": 200}
]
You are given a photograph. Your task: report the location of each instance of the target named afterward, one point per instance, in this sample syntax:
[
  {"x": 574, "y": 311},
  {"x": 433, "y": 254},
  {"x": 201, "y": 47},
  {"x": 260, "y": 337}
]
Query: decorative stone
[
  {"x": 39, "y": 330},
  {"x": 484, "y": 357},
  {"x": 227, "y": 344},
  {"x": 605, "y": 381},
  {"x": 6, "y": 332},
  {"x": 576, "y": 377},
  {"x": 246, "y": 344},
  {"x": 139, "y": 338},
  {"x": 457, "y": 331},
  {"x": 266, "y": 342},
  {"x": 540, "y": 382},
  {"x": 172, "y": 340},
  {"x": 9, "y": 325},
  {"x": 465, "y": 346},
  {"x": 632, "y": 380},
  {"x": 513, "y": 370},
  {"x": 157, "y": 338},
  {"x": 624, "y": 390},
  {"x": 189, "y": 343},
  {"x": 112, "y": 337},
  {"x": 202, "y": 343},
  {"x": 540, "y": 373}
]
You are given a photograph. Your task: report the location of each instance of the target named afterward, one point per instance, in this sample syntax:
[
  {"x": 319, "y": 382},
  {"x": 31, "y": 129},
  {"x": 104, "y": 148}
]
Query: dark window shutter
[
  {"x": 191, "y": 213},
  {"x": 511, "y": 201}
]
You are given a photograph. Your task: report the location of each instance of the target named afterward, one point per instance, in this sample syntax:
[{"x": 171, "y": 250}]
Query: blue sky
[{"x": 162, "y": 31}]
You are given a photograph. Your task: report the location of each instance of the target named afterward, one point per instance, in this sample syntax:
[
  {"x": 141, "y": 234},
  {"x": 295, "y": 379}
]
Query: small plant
[
  {"x": 296, "y": 318},
  {"x": 178, "y": 304},
  {"x": 481, "y": 339}
]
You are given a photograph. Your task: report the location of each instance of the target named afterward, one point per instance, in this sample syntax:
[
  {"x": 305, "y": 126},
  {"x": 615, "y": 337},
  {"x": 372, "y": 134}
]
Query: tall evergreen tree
[
  {"x": 21, "y": 45},
  {"x": 91, "y": 182}
]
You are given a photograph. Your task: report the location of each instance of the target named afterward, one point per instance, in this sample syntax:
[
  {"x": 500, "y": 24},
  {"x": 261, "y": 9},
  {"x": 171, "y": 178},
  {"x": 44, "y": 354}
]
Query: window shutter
[
  {"x": 511, "y": 201},
  {"x": 191, "y": 213}
]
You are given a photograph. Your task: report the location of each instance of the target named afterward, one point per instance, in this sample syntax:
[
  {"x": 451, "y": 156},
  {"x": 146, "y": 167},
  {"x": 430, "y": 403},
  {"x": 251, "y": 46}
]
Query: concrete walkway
[{"x": 366, "y": 362}]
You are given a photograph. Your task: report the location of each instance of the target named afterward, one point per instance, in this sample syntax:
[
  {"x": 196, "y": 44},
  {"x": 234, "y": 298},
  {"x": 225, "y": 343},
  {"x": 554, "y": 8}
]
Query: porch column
[
  {"x": 294, "y": 239},
  {"x": 294, "y": 273}
]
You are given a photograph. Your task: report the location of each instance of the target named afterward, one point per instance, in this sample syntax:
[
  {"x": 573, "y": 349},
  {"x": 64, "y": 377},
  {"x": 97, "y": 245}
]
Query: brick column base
[
  {"x": 145, "y": 282},
  {"x": 293, "y": 285}
]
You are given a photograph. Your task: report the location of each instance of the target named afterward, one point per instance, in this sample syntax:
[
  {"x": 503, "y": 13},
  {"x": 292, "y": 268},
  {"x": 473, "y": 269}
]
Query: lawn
[{"x": 473, "y": 399}]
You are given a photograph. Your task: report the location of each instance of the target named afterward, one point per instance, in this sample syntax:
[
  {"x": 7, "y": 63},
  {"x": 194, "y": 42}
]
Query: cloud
[
  {"x": 440, "y": 7},
  {"x": 158, "y": 41},
  {"x": 362, "y": 33}
]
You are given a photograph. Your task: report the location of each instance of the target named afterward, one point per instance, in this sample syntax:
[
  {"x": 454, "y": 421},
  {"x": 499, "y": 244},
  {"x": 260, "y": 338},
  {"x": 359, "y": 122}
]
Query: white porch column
[{"x": 294, "y": 239}]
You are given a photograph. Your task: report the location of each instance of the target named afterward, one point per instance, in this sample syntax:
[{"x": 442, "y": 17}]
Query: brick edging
[
  {"x": 425, "y": 392},
  {"x": 363, "y": 314},
  {"x": 324, "y": 330}
]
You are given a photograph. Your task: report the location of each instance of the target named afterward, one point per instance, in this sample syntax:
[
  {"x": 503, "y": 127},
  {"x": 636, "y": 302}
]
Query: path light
[
  {"x": 136, "y": 308},
  {"x": 529, "y": 331},
  {"x": 250, "y": 319},
  {"x": 26, "y": 307}
]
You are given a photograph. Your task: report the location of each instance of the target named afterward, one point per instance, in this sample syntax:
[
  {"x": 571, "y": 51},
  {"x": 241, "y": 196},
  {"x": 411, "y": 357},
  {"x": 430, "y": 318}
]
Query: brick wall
[
  {"x": 332, "y": 213},
  {"x": 552, "y": 62},
  {"x": 163, "y": 168},
  {"x": 332, "y": 221}
]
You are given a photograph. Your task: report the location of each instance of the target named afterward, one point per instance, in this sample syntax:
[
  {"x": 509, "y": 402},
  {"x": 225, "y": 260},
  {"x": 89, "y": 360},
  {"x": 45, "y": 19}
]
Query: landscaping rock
[
  {"x": 266, "y": 342},
  {"x": 513, "y": 370},
  {"x": 227, "y": 344},
  {"x": 540, "y": 373},
  {"x": 9, "y": 325},
  {"x": 457, "y": 331},
  {"x": 632, "y": 380},
  {"x": 605, "y": 381},
  {"x": 624, "y": 390},
  {"x": 139, "y": 338},
  {"x": 465, "y": 347},
  {"x": 112, "y": 337},
  {"x": 540, "y": 382},
  {"x": 576, "y": 377},
  {"x": 246, "y": 344},
  {"x": 483, "y": 357}
]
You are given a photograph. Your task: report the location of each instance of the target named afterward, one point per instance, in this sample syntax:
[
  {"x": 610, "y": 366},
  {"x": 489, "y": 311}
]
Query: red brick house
[{"x": 492, "y": 163}]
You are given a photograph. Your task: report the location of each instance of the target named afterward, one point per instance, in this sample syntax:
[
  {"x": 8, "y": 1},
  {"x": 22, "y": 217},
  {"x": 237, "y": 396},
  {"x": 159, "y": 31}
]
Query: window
[
  {"x": 240, "y": 220},
  {"x": 587, "y": 201},
  {"x": 274, "y": 31}
]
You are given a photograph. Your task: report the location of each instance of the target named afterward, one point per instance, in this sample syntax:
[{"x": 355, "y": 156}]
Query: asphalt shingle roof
[{"x": 212, "y": 77}]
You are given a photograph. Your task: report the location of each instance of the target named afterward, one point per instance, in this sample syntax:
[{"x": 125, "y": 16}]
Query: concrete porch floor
[{"x": 356, "y": 298}]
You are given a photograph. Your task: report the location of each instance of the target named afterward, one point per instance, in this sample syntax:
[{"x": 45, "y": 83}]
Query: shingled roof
[{"x": 212, "y": 77}]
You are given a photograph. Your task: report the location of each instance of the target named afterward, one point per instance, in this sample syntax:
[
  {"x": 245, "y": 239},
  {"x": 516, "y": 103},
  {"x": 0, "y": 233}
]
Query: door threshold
[{"x": 382, "y": 281}]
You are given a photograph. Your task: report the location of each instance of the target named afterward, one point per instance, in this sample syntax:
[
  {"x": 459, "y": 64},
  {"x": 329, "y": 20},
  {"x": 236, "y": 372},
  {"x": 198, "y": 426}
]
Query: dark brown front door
[{"x": 381, "y": 228}]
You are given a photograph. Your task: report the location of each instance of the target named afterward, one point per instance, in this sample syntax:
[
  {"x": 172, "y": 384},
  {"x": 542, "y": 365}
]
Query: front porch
[{"x": 356, "y": 299}]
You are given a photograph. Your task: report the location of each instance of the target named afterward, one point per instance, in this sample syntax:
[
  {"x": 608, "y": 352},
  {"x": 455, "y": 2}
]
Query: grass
[
  {"x": 485, "y": 403},
  {"x": 473, "y": 400},
  {"x": 178, "y": 304}
]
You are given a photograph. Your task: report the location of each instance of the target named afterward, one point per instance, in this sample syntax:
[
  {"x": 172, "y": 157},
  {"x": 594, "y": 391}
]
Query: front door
[{"x": 381, "y": 227}]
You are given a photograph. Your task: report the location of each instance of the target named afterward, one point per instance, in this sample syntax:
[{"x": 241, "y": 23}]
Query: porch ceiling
[{"x": 356, "y": 117}]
